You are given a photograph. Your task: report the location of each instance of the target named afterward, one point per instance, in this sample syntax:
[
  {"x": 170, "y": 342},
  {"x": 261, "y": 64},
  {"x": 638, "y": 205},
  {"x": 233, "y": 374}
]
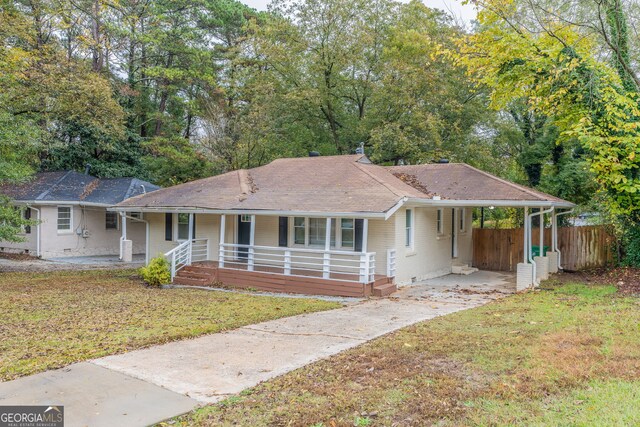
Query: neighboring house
[
  {"x": 71, "y": 209},
  {"x": 335, "y": 225}
]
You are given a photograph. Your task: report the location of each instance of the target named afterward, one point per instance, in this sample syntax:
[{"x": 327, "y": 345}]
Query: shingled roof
[
  {"x": 75, "y": 187},
  {"x": 348, "y": 184},
  {"x": 459, "y": 181}
]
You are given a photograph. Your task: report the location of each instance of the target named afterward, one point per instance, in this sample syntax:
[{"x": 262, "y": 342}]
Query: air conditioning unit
[{"x": 85, "y": 233}]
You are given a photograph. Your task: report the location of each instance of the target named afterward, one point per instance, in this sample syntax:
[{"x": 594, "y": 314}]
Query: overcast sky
[{"x": 466, "y": 12}]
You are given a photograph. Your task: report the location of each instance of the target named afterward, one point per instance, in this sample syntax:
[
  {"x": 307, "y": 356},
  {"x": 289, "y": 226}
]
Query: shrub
[{"x": 157, "y": 272}]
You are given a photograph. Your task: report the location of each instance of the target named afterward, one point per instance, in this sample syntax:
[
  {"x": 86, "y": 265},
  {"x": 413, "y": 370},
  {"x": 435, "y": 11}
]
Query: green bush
[
  {"x": 157, "y": 272},
  {"x": 631, "y": 245}
]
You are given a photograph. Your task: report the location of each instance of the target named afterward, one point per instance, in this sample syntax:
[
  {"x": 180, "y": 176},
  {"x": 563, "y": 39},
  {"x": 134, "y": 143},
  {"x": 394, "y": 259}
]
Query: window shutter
[
  {"x": 358, "y": 234},
  {"x": 168, "y": 226},
  {"x": 193, "y": 231},
  {"x": 283, "y": 231}
]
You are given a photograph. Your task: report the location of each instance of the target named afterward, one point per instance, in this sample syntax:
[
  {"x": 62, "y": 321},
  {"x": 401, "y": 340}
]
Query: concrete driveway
[{"x": 121, "y": 389}]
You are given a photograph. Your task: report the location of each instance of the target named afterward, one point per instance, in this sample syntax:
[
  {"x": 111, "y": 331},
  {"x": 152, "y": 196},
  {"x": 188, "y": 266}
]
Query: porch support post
[
  {"x": 326, "y": 261},
  {"x": 223, "y": 227},
  {"x": 252, "y": 239},
  {"x": 191, "y": 236},
  {"x": 365, "y": 234},
  {"x": 553, "y": 255},
  {"x": 126, "y": 246}
]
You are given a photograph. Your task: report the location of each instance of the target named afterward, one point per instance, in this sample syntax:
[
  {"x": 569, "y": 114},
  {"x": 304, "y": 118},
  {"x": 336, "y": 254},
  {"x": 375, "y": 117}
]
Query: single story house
[
  {"x": 72, "y": 217},
  {"x": 336, "y": 225}
]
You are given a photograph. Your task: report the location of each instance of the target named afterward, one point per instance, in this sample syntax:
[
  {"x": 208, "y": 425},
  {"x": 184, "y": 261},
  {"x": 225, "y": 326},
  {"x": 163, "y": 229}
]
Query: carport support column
[
  {"x": 252, "y": 240},
  {"x": 126, "y": 246},
  {"x": 223, "y": 227},
  {"x": 553, "y": 255},
  {"x": 524, "y": 269}
]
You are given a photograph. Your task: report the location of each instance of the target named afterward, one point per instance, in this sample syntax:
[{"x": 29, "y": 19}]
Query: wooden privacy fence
[{"x": 581, "y": 247}]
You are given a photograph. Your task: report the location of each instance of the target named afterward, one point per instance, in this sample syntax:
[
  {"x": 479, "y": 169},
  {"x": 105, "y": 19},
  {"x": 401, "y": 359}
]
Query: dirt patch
[
  {"x": 18, "y": 256},
  {"x": 626, "y": 279}
]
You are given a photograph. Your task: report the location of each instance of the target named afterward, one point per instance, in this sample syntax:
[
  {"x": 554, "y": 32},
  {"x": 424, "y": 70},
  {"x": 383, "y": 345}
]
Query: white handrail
[{"x": 348, "y": 266}]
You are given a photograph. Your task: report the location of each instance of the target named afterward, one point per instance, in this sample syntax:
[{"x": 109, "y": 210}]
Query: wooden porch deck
[{"x": 273, "y": 279}]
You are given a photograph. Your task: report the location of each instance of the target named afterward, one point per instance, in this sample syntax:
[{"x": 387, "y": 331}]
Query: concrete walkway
[{"x": 146, "y": 386}]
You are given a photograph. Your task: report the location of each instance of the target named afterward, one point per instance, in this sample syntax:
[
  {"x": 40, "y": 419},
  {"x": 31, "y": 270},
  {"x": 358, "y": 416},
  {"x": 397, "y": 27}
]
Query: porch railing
[
  {"x": 391, "y": 263},
  {"x": 336, "y": 265},
  {"x": 186, "y": 253}
]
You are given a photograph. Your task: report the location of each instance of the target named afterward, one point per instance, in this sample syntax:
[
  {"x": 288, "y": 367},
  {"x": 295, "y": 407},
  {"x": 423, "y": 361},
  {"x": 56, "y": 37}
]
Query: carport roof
[{"x": 461, "y": 182}]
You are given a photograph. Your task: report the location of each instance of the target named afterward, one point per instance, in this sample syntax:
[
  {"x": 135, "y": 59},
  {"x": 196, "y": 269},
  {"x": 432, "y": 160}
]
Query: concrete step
[
  {"x": 384, "y": 290},
  {"x": 468, "y": 270}
]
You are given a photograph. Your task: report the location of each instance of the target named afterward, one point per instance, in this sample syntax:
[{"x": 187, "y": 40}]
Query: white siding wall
[
  {"x": 100, "y": 241},
  {"x": 382, "y": 236},
  {"x": 431, "y": 254}
]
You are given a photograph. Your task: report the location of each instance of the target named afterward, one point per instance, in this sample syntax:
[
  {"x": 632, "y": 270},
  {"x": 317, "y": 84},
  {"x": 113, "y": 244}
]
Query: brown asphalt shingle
[
  {"x": 459, "y": 181},
  {"x": 346, "y": 184}
]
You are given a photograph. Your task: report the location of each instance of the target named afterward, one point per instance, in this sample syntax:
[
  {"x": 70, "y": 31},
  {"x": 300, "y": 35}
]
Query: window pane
[
  {"x": 439, "y": 221},
  {"x": 333, "y": 232},
  {"x": 111, "y": 221},
  {"x": 347, "y": 232},
  {"x": 409, "y": 223},
  {"x": 298, "y": 231},
  {"x": 64, "y": 218},
  {"x": 408, "y": 217},
  {"x": 183, "y": 226},
  {"x": 317, "y": 231}
]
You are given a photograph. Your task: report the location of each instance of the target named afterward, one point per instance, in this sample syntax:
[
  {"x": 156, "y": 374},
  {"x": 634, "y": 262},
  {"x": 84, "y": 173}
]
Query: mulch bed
[{"x": 627, "y": 279}]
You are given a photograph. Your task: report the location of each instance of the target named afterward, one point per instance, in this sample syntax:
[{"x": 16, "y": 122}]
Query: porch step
[
  {"x": 384, "y": 290},
  {"x": 199, "y": 269},
  {"x": 190, "y": 281},
  {"x": 194, "y": 274}
]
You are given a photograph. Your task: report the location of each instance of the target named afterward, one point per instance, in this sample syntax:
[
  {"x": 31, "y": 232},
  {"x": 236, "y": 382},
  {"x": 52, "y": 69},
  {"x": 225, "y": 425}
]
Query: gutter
[
  {"x": 489, "y": 203},
  {"x": 38, "y": 232},
  {"x": 196, "y": 210}
]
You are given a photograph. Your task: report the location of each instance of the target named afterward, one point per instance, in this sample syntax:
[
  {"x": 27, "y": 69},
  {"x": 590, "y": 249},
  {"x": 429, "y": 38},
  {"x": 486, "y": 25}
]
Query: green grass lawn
[
  {"x": 568, "y": 354},
  {"x": 48, "y": 320}
]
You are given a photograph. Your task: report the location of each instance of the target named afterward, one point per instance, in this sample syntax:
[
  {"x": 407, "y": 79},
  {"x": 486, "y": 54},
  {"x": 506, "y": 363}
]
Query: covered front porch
[{"x": 295, "y": 254}]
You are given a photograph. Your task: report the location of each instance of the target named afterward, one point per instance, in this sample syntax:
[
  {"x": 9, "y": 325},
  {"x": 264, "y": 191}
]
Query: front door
[{"x": 244, "y": 235}]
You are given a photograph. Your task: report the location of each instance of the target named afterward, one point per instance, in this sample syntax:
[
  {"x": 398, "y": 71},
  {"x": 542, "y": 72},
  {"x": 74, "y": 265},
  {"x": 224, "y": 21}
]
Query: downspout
[
  {"x": 37, "y": 231},
  {"x": 530, "y": 243},
  {"x": 556, "y": 237}
]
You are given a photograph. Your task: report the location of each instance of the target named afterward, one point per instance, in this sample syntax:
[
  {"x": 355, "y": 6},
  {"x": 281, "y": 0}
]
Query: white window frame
[
  {"x": 335, "y": 244},
  {"x": 176, "y": 235},
  {"x": 440, "y": 222},
  {"x": 462, "y": 220},
  {"x": 64, "y": 230},
  {"x": 117, "y": 220},
  {"x": 409, "y": 229},
  {"x": 339, "y": 230},
  {"x": 245, "y": 218}
]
